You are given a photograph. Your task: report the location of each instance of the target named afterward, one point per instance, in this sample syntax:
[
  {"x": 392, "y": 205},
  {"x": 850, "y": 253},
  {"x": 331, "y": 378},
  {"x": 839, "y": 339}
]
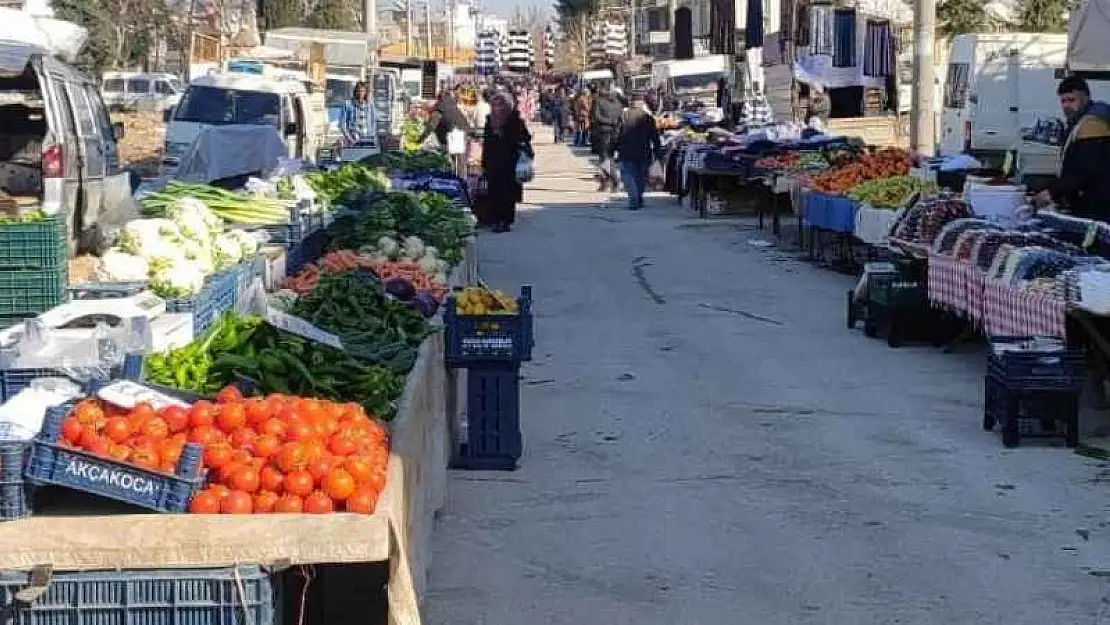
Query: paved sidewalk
[{"x": 706, "y": 444}]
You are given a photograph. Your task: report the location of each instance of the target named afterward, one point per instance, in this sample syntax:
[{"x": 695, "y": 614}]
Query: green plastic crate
[
  {"x": 33, "y": 244},
  {"x": 31, "y": 291}
]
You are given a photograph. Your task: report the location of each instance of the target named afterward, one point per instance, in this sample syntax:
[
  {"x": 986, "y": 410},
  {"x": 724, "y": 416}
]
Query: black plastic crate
[
  {"x": 14, "y": 494},
  {"x": 1031, "y": 370},
  {"x": 489, "y": 338},
  {"x": 900, "y": 290},
  {"x": 1022, "y": 412},
  {"x": 217, "y": 596},
  {"x": 493, "y": 441},
  {"x": 308, "y": 251}
]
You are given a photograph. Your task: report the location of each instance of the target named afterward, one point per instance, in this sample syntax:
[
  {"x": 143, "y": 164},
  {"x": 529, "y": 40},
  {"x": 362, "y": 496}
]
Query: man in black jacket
[
  {"x": 445, "y": 117},
  {"x": 637, "y": 148},
  {"x": 605, "y": 118},
  {"x": 1082, "y": 187}
]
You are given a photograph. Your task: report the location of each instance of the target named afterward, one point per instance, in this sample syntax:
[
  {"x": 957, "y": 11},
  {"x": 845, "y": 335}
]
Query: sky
[{"x": 504, "y": 8}]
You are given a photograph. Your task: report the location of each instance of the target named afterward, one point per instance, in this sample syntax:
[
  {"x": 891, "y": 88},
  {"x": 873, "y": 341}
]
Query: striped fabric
[
  {"x": 844, "y": 38},
  {"x": 610, "y": 39},
  {"x": 821, "y": 29},
  {"x": 879, "y": 49}
]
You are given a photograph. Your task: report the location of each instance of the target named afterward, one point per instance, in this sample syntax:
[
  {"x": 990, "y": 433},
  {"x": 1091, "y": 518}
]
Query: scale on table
[{"x": 72, "y": 326}]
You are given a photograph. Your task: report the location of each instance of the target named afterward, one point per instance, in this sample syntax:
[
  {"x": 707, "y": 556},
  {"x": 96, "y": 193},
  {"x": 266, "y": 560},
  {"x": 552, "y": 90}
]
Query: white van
[
  {"x": 690, "y": 79},
  {"x": 236, "y": 98},
  {"x": 156, "y": 92},
  {"x": 996, "y": 84}
]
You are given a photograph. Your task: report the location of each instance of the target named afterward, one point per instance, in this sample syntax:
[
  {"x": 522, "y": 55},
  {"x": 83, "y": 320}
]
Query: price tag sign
[
  {"x": 302, "y": 328},
  {"x": 128, "y": 394}
]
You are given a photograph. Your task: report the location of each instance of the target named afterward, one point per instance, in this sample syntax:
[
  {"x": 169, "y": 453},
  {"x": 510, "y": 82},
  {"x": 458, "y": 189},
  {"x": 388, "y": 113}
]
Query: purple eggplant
[
  {"x": 401, "y": 288},
  {"x": 426, "y": 303}
]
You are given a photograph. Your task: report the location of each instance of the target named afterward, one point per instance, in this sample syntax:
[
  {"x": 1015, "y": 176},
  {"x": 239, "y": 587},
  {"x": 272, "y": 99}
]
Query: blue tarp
[{"x": 830, "y": 212}]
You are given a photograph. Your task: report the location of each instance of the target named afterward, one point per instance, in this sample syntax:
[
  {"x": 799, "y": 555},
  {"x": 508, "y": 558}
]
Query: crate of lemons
[{"x": 477, "y": 300}]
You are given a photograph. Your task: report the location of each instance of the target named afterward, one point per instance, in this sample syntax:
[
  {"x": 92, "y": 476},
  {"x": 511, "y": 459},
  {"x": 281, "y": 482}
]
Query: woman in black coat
[{"x": 506, "y": 138}]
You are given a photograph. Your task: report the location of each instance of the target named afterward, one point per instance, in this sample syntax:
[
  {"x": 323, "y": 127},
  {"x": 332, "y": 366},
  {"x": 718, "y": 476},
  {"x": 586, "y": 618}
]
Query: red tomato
[
  {"x": 231, "y": 417},
  {"x": 341, "y": 444},
  {"x": 119, "y": 452},
  {"x": 258, "y": 411},
  {"x": 230, "y": 395},
  {"x": 265, "y": 501},
  {"x": 320, "y": 467},
  {"x": 266, "y": 446},
  {"x": 338, "y": 485},
  {"x": 299, "y": 483},
  {"x": 201, "y": 414},
  {"x": 141, "y": 412},
  {"x": 72, "y": 430},
  {"x": 220, "y": 490},
  {"x": 318, "y": 503},
  {"x": 363, "y": 501},
  {"x": 360, "y": 467},
  {"x": 176, "y": 418},
  {"x": 274, "y": 427},
  {"x": 271, "y": 479},
  {"x": 237, "y": 502},
  {"x": 292, "y": 457},
  {"x": 146, "y": 458},
  {"x": 243, "y": 438},
  {"x": 118, "y": 429},
  {"x": 204, "y": 435},
  {"x": 299, "y": 431},
  {"x": 245, "y": 479},
  {"x": 156, "y": 427},
  {"x": 289, "y": 504},
  {"x": 217, "y": 455},
  {"x": 205, "y": 502}
]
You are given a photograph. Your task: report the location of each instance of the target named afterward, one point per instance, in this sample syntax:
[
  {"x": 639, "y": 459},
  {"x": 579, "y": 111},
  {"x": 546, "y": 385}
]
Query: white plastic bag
[
  {"x": 655, "y": 173},
  {"x": 456, "y": 142},
  {"x": 524, "y": 169}
]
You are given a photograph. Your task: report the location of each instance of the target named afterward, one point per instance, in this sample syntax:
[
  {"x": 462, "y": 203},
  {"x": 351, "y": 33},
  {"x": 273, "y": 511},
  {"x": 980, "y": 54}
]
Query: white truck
[{"x": 693, "y": 79}]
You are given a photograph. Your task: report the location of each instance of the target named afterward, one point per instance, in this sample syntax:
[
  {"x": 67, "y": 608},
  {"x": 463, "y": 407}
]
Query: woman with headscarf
[{"x": 506, "y": 139}]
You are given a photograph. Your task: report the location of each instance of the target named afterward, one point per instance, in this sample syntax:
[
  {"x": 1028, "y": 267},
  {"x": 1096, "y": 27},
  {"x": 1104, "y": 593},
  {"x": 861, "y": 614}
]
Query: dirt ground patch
[{"x": 141, "y": 148}]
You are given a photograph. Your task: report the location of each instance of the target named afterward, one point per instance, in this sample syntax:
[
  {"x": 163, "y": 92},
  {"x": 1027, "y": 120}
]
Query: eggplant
[
  {"x": 401, "y": 288},
  {"x": 426, "y": 303}
]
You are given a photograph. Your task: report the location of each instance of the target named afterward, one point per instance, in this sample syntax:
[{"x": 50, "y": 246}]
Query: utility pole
[
  {"x": 371, "y": 20},
  {"x": 922, "y": 131},
  {"x": 635, "y": 20},
  {"x": 428, "y": 29},
  {"x": 408, "y": 27},
  {"x": 672, "y": 8}
]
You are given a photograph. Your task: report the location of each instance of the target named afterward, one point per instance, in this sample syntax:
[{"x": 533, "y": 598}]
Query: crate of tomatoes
[{"x": 230, "y": 455}]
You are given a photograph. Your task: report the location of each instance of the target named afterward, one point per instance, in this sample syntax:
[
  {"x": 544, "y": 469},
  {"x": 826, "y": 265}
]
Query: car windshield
[
  {"x": 214, "y": 105},
  {"x": 113, "y": 85},
  {"x": 696, "y": 82},
  {"x": 337, "y": 92}
]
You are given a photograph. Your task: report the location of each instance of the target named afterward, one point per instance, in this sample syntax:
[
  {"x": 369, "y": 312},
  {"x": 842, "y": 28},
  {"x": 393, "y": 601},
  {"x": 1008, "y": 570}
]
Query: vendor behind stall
[{"x": 1082, "y": 187}]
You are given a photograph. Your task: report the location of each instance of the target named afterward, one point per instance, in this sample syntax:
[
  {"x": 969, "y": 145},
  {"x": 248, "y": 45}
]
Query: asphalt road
[{"x": 706, "y": 444}]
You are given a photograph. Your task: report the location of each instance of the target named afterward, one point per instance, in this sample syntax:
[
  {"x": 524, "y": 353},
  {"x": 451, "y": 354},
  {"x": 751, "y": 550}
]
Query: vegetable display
[
  {"x": 229, "y": 206},
  {"x": 890, "y": 192},
  {"x": 333, "y": 262},
  {"x": 419, "y": 160},
  {"x": 243, "y": 347},
  {"x": 883, "y": 163},
  {"x": 344, "y": 184},
  {"x": 475, "y": 300},
  {"x": 431, "y": 217}
]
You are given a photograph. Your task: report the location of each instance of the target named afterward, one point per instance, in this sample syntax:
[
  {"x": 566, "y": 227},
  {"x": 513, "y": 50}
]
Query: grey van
[{"x": 58, "y": 144}]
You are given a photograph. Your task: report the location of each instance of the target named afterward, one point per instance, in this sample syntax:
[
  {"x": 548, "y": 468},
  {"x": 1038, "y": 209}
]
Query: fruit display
[
  {"x": 794, "y": 161},
  {"x": 883, "y": 163},
  {"x": 475, "y": 300},
  {"x": 891, "y": 192}
]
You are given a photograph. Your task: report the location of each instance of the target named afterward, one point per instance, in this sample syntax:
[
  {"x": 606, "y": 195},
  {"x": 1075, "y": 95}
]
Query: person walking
[
  {"x": 605, "y": 117},
  {"x": 558, "y": 108},
  {"x": 506, "y": 140},
  {"x": 637, "y": 147},
  {"x": 582, "y": 109},
  {"x": 358, "y": 122}
]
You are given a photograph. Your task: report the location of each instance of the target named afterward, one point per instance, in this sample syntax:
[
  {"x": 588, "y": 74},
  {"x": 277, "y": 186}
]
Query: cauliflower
[
  {"x": 429, "y": 265},
  {"x": 150, "y": 238},
  {"x": 180, "y": 281},
  {"x": 119, "y": 266},
  {"x": 282, "y": 300},
  {"x": 195, "y": 220},
  {"x": 226, "y": 251},
  {"x": 412, "y": 248},
  {"x": 199, "y": 254},
  {"x": 248, "y": 243}
]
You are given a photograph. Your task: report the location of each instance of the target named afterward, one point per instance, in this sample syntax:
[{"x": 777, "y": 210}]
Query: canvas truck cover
[
  {"x": 1088, "y": 32},
  {"x": 23, "y": 33},
  {"x": 341, "y": 48}
]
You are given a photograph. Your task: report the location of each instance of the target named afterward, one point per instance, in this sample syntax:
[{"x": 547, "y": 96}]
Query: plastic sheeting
[
  {"x": 228, "y": 151},
  {"x": 1088, "y": 30},
  {"x": 39, "y": 33}
]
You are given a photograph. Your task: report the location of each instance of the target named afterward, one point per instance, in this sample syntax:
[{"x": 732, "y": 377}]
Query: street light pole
[{"x": 922, "y": 131}]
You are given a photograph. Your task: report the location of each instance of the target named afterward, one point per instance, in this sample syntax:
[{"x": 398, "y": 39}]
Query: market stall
[{"x": 301, "y": 424}]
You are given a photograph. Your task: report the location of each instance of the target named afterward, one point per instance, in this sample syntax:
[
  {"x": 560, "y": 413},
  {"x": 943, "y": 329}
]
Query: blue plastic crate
[
  {"x": 241, "y": 595},
  {"x": 52, "y": 464},
  {"x": 489, "y": 338},
  {"x": 14, "y": 380},
  {"x": 217, "y": 297},
  {"x": 14, "y": 496},
  {"x": 493, "y": 439},
  {"x": 1062, "y": 369}
]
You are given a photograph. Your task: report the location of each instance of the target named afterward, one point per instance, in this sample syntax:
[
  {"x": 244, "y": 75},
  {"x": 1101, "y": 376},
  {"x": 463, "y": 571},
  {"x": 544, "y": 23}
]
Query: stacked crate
[{"x": 33, "y": 270}]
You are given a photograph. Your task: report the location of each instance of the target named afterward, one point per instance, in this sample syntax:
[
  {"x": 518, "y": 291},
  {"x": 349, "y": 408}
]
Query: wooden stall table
[{"x": 699, "y": 191}]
